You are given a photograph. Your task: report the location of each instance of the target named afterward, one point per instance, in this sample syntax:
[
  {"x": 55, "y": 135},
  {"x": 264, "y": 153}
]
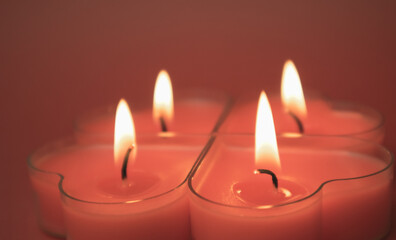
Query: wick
[
  {"x": 274, "y": 178},
  {"x": 125, "y": 163},
  {"x": 163, "y": 125},
  {"x": 298, "y": 121}
]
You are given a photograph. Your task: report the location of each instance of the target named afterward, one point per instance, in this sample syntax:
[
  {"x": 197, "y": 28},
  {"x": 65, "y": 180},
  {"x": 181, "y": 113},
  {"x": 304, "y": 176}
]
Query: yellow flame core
[
  {"x": 163, "y": 97},
  {"x": 291, "y": 91},
  {"x": 124, "y": 132},
  {"x": 266, "y": 148}
]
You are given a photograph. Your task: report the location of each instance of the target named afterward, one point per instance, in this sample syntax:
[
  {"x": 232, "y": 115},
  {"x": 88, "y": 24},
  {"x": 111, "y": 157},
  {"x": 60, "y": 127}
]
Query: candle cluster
[{"x": 200, "y": 167}]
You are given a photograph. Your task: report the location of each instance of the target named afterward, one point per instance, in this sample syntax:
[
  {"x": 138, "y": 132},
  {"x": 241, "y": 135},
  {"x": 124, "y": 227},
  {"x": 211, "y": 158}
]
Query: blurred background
[{"x": 59, "y": 59}]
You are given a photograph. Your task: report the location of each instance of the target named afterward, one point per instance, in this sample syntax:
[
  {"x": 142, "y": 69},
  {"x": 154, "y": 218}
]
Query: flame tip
[
  {"x": 289, "y": 61},
  {"x": 163, "y": 97},
  {"x": 163, "y": 72},
  {"x": 291, "y": 90}
]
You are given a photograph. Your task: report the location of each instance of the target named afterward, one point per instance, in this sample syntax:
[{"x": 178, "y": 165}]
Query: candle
[
  {"x": 340, "y": 188},
  {"x": 192, "y": 112},
  {"x": 154, "y": 197},
  {"x": 103, "y": 199},
  {"x": 317, "y": 115}
]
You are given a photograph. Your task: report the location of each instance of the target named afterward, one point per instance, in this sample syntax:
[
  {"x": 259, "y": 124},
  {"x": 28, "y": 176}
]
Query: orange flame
[
  {"x": 291, "y": 91},
  {"x": 124, "y": 133},
  {"x": 266, "y": 148},
  {"x": 163, "y": 98}
]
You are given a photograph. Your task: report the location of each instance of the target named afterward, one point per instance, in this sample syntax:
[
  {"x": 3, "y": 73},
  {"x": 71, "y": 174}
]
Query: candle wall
[
  {"x": 350, "y": 184},
  {"x": 216, "y": 221},
  {"x": 162, "y": 217}
]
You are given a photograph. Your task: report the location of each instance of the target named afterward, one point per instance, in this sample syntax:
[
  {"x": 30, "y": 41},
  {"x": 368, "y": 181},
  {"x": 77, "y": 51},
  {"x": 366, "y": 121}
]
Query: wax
[
  {"x": 192, "y": 115},
  {"x": 361, "y": 204},
  {"x": 93, "y": 194},
  {"x": 324, "y": 117}
]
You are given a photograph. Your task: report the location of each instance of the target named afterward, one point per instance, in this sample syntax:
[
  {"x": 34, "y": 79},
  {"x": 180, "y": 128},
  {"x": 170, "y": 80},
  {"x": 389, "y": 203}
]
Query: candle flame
[
  {"x": 291, "y": 91},
  {"x": 124, "y": 133},
  {"x": 266, "y": 148},
  {"x": 163, "y": 98}
]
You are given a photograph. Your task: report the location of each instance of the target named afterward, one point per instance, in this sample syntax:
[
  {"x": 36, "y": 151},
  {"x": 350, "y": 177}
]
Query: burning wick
[
  {"x": 125, "y": 163},
  {"x": 164, "y": 128},
  {"x": 298, "y": 121},
  {"x": 265, "y": 171}
]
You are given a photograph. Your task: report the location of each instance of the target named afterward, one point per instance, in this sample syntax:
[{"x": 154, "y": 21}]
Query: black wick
[
  {"x": 298, "y": 121},
  {"x": 164, "y": 128},
  {"x": 274, "y": 178},
  {"x": 125, "y": 163}
]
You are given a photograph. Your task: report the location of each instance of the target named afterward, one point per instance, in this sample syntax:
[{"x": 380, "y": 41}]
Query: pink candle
[
  {"x": 324, "y": 117},
  {"x": 191, "y": 117},
  {"x": 311, "y": 114},
  {"x": 355, "y": 207},
  {"x": 193, "y": 112},
  {"x": 93, "y": 195}
]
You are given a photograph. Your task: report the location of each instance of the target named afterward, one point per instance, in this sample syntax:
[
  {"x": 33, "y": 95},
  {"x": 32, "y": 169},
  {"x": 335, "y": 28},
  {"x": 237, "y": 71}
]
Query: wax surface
[
  {"x": 361, "y": 206},
  {"x": 90, "y": 171},
  {"x": 192, "y": 116},
  {"x": 323, "y": 118},
  {"x": 260, "y": 191}
]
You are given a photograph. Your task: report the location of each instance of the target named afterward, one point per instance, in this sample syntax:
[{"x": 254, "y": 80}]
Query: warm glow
[
  {"x": 163, "y": 98},
  {"x": 124, "y": 133},
  {"x": 266, "y": 148},
  {"x": 291, "y": 90}
]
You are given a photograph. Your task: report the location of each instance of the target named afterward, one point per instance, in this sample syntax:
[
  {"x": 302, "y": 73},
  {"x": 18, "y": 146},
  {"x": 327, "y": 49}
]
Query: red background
[{"x": 61, "y": 58}]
